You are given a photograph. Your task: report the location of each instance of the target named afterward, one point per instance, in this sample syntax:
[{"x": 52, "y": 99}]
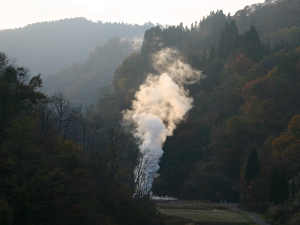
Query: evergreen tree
[
  {"x": 252, "y": 45},
  {"x": 293, "y": 187},
  {"x": 228, "y": 41},
  {"x": 22, "y": 214},
  {"x": 274, "y": 195},
  {"x": 279, "y": 191},
  {"x": 252, "y": 167},
  {"x": 152, "y": 41},
  {"x": 222, "y": 42},
  {"x": 210, "y": 29},
  {"x": 266, "y": 48},
  {"x": 284, "y": 184},
  {"x": 233, "y": 37},
  {"x": 204, "y": 58},
  {"x": 212, "y": 54},
  {"x": 4, "y": 214}
]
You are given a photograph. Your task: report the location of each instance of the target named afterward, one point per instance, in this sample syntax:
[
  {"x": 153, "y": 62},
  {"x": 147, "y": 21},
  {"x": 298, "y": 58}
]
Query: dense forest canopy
[
  {"x": 275, "y": 20},
  {"x": 71, "y": 164},
  {"x": 227, "y": 147},
  {"x": 60, "y": 163}
]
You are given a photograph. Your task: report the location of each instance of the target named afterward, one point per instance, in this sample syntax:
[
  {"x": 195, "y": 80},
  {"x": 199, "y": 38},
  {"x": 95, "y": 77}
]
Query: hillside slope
[
  {"x": 49, "y": 47},
  {"x": 245, "y": 119},
  {"x": 82, "y": 81}
]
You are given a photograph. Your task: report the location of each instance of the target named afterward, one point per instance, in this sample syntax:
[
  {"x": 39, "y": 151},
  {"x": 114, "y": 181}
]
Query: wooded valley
[{"x": 67, "y": 159}]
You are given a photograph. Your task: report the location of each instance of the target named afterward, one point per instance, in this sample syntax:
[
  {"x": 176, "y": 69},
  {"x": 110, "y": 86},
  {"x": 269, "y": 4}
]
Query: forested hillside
[
  {"x": 83, "y": 83},
  {"x": 276, "y": 21},
  {"x": 239, "y": 142},
  {"x": 61, "y": 163},
  {"x": 49, "y": 47}
]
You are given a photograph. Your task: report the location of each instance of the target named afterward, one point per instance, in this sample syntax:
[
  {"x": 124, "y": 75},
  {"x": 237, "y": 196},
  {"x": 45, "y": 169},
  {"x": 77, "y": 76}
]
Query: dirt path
[{"x": 253, "y": 216}]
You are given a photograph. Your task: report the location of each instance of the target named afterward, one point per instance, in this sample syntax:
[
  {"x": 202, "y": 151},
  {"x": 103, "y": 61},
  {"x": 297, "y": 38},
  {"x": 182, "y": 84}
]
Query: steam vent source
[{"x": 160, "y": 103}]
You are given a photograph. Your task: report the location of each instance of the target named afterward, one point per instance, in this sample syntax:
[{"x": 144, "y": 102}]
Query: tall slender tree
[
  {"x": 212, "y": 54},
  {"x": 252, "y": 45},
  {"x": 22, "y": 212},
  {"x": 279, "y": 191},
  {"x": 274, "y": 195},
  {"x": 228, "y": 41},
  {"x": 284, "y": 185},
  {"x": 252, "y": 167}
]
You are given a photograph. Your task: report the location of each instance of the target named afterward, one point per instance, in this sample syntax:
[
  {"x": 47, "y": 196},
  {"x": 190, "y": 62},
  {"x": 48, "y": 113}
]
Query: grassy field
[
  {"x": 204, "y": 213},
  {"x": 192, "y": 205},
  {"x": 215, "y": 215}
]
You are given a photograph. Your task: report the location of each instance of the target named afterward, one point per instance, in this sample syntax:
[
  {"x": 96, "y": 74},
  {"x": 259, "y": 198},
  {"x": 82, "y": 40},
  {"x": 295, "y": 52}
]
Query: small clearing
[{"x": 215, "y": 215}]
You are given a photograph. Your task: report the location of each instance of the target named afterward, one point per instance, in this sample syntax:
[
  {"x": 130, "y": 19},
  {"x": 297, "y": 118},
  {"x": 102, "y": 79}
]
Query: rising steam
[{"x": 160, "y": 104}]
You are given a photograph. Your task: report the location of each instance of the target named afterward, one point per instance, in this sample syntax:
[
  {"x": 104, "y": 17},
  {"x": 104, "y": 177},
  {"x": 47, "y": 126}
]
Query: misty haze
[{"x": 138, "y": 113}]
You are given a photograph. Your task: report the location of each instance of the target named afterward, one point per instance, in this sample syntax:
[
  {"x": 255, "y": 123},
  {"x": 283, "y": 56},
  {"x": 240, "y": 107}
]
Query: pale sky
[{"x": 19, "y": 13}]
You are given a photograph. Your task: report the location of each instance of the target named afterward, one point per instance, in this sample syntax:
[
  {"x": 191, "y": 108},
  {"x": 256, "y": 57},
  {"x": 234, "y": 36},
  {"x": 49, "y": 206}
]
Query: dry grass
[
  {"x": 214, "y": 215},
  {"x": 191, "y": 205},
  {"x": 202, "y": 213}
]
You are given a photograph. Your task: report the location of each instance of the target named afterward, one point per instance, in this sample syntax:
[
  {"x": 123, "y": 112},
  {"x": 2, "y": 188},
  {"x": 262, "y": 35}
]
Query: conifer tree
[
  {"x": 266, "y": 48},
  {"x": 274, "y": 195},
  {"x": 284, "y": 184},
  {"x": 252, "y": 167},
  {"x": 204, "y": 59},
  {"x": 293, "y": 187},
  {"x": 4, "y": 214},
  {"x": 22, "y": 214},
  {"x": 152, "y": 40},
  {"x": 222, "y": 42},
  {"x": 233, "y": 38},
  {"x": 279, "y": 191},
  {"x": 252, "y": 45},
  {"x": 228, "y": 41},
  {"x": 212, "y": 54}
]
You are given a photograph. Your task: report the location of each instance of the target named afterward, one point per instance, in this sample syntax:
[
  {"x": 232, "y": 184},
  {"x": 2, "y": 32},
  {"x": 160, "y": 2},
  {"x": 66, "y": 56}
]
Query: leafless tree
[
  {"x": 142, "y": 174},
  {"x": 116, "y": 150},
  {"x": 45, "y": 120},
  {"x": 65, "y": 115},
  {"x": 90, "y": 124}
]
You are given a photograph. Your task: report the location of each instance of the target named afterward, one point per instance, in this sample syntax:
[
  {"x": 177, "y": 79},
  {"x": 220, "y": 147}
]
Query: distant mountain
[
  {"x": 48, "y": 47},
  {"x": 81, "y": 82}
]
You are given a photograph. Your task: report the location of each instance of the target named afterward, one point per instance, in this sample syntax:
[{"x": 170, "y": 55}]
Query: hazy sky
[{"x": 18, "y": 13}]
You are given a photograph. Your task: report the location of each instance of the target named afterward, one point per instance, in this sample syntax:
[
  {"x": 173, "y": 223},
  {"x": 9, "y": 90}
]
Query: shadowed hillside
[{"x": 82, "y": 82}]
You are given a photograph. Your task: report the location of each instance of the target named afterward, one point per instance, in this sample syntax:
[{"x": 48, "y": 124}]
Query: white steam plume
[{"x": 159, "y": 105}]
